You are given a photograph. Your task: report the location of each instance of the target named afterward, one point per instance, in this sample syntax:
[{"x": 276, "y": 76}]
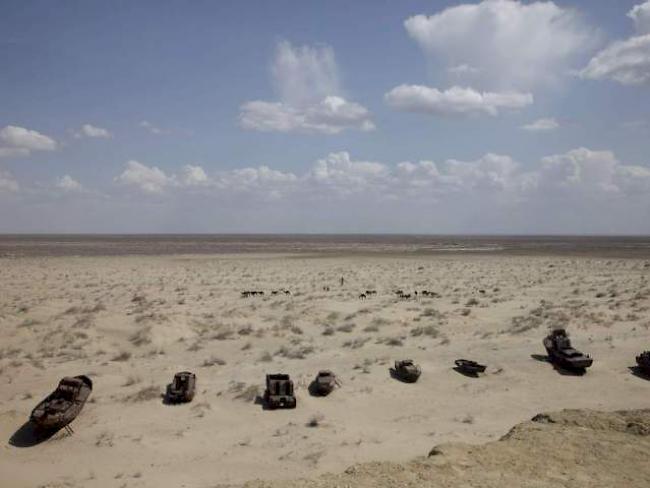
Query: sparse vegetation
[
  {"x": 349, "y": 327},
  {"x": 145, "y": 394},
  {"x": 122, "y": 356}
]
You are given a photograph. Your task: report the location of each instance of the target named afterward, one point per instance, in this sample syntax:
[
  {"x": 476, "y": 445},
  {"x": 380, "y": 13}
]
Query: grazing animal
[
  {"x": 274, "y": 292},
  {"x": 362, "y": 296},
  {"x": 245, "y": 294}
]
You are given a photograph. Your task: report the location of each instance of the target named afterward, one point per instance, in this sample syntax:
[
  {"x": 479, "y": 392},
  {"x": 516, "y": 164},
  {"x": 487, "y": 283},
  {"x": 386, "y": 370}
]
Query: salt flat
[{"x": 131, "y": 322}]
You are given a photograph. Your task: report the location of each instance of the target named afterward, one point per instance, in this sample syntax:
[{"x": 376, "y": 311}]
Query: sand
[{"x": 131, "y": 322}]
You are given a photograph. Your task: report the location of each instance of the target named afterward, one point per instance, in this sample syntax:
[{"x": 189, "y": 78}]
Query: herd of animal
[
  {"x": 362, "y": 296},
  {"x": 63, "y": 405},
  {"x": 425, "y": 293},
  {"x": 253, "y": 293}
]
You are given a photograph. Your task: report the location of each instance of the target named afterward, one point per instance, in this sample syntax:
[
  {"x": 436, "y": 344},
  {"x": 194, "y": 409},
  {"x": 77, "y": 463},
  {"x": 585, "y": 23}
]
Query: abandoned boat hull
[{"x": 55, "y": 413}]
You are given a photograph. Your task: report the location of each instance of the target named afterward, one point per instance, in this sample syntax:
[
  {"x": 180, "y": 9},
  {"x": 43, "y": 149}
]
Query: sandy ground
[
  {"x": 571, "y": 448},
  {"x": 131, "y": 322}
]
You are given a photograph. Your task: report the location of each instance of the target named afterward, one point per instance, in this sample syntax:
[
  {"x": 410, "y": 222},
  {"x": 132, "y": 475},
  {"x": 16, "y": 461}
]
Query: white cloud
[
  {"x": 580, "y": 169},
  {"x": 462, "y": 70},
  {"x": 627, "y": 62},
  {"x": 580, "y": 177},
  {"x": 512, "y": 44},
  {"x": 152, "y": 128},
  {"x": 454, "y": 101},
  {"x": 330, "y": 116},
  {"x": 339, "y": 173},
  {"x": 261, "y": 183},
  {"x": 194, "y": 176},
  {"x": 88, "y": 130},
  {"x": 68, "y": 184},
  {"x": 640, "y": 14},
  {"x": 148, "y": 179},
  {"x": 304, "y": 75},
  {"x": 18, "y": 141},
  {"x": 307, "y": 82},
  {"x": 7, "y": 183},
  {"x": 13, "y": 152},
  {"x": 542, "y": 125}
]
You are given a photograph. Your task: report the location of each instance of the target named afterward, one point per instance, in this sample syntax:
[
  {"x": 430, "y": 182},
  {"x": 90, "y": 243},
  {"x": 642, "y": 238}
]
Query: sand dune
[
  {"x": 131, "y": 322},
  {"x": 577, "y": 448}
]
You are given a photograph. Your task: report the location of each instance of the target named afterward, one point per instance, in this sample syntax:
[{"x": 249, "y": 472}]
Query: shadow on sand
[
  {"x": 165, "y": 397},
  {"x": 639, "y": 373},
  {"x": 395, "y": 376},
  {"x": 563, "y": 371},
  {"x": 469, "y": 374},
  {"x": 313, "y": 389},
  {"x": 29, "y": 435},
  {"x": 259, "y": 400}
]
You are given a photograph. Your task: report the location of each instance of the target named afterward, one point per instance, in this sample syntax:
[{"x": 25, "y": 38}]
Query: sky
[{"x": 376, "y": 116}]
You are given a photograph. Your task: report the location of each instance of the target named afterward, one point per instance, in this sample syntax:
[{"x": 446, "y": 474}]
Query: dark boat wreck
[
  {"x": 643, "y": 362},
  {"x": 64, "y": 404},
  {"x": 182, "y": 388},
  {"x": 469, "y": 367},
  {"x": 406, "y": 370},
  {"x": 324, "y": 383},
  {"x": 561, "y": 352}
]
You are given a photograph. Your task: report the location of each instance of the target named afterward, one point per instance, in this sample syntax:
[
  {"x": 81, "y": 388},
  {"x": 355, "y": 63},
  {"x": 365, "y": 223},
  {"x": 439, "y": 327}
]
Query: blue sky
[{"x": 288, "y": 116}]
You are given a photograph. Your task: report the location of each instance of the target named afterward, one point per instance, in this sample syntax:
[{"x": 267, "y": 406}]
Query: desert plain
[{"x": 131, "y": 322}]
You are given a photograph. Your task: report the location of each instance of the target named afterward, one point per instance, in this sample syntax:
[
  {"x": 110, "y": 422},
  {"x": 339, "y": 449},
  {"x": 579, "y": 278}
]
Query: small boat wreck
[
  {"x": 324, "y": 383},
  {"x": 407, "y": 371},
  {"x": 64, "y": 404},
  {"x": 643, "y": 362},
  {"x": 469, "y": 367},
  {"x": 561, "y": 352},
  {"x": 182, "y": 388},
  {"x": 279, "y": 392}
]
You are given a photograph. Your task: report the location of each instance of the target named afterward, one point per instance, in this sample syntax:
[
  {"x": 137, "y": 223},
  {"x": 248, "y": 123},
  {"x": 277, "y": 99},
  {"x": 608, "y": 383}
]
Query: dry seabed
[{"x": 131, "y": 322}]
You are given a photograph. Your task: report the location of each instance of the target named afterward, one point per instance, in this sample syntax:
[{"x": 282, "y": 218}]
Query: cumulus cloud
[
  {"x": 152, "y": 128},
  {"x": 626, "y": 61},
  {"x": 18, "y": 141},
  {"x": 462, "y": 70},
  {"x": 307, "y": 82},
  {"x": 640, "y": 14},
  {"x": 88, "y": 130},
  {"x": 509, "y": 44},
  {"x": 582, "y": 190},
  {"x": 304, "y": 75},
  {"x": 148, "y": 179},
  {"x": 330, "y": 116},
  {"x": 339, "y": 173},
  {"x": 454, "y": 101},
  {"x": 193, "y": 175},
  {"x": 258, "y": 183},
  {"x": 580, "y": 174},
  {"x": 68, "y": 184},
  {"x": 542, "y": 125},
  {"x": 7, "y": 183}
]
